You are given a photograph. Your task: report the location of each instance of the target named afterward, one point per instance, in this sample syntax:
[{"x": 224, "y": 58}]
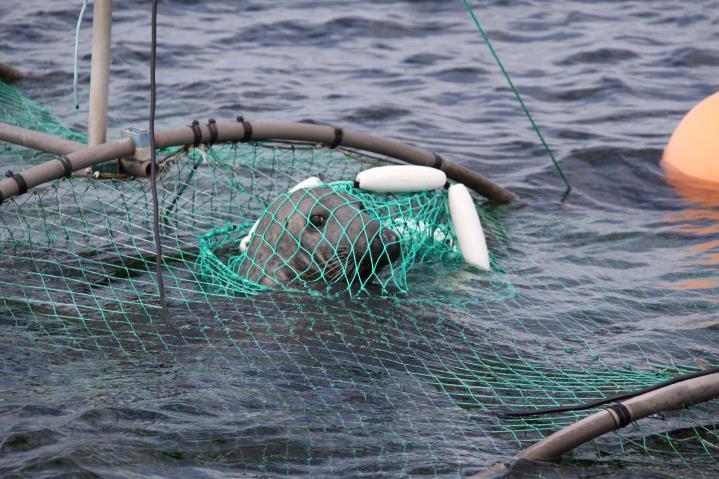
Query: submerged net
[{"x": 405, "y": 376}]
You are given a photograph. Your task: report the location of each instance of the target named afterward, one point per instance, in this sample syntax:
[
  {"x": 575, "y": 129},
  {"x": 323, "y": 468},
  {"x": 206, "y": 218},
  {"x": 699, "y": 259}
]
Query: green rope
[
  {"x": 517, "y": 95},
  {"x": 77, "y": 48}
]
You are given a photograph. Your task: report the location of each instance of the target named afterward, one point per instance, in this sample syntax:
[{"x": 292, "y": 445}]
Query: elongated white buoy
[
  {"x": 401, "y": 179},
  {"x": 310, "y": 182},
  {"x": 468, "y": 228}
]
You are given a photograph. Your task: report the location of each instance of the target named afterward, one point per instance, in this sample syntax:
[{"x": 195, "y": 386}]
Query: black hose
[
  {"x": 153, "y": 165},
  {"x": 599, "y": 402}
]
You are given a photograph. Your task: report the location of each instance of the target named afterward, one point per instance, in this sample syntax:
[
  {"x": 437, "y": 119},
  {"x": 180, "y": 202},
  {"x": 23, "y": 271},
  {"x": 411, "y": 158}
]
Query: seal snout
[
  {"x": 385, "y": 246},
  {"x": 384, "y": 249}
]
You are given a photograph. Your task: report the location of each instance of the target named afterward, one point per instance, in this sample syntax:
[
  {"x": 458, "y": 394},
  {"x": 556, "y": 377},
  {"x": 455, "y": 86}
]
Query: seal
[{"x": 317, "y": 236}]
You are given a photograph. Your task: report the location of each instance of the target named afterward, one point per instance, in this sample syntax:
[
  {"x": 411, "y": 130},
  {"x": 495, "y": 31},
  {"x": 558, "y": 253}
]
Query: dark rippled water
[{"x": 606, "y": 80}]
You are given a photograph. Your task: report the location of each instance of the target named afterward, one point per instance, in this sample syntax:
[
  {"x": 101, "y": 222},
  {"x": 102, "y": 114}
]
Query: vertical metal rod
[
  {"x": 100, "y": 72},
  {"x": 153, "y": 164}
]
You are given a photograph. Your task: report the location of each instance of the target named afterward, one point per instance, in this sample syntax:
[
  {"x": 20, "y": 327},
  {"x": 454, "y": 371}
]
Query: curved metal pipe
[
  {"x": 261, "y": 131},
  {"x": 138, "y": 169},
  {"x": 686, "y": 393},
  {"x": 678, "y": 395}
]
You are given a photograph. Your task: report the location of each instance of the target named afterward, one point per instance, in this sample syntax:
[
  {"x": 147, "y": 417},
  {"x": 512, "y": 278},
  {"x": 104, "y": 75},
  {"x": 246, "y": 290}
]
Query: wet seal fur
[{"x": 317, "y": 235}]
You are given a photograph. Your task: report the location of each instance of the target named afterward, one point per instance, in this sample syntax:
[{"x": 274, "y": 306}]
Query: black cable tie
[
  {"x": 338, "y": 138},
  {"x": 438, "y": 162},
  {"x": 622, "y": 413},
  {"x": 247, "y": 128},
  {"x": 66, "y": 164},
  {"x": 21, "y": 184},
  {"x": 197, "y": 133},
  {"x": 356, "y": 184},
  {"x": 212, "y": 125}
]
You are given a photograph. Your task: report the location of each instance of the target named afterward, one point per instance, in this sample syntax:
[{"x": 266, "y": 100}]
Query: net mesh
[
  {"x": 19, "y": 110},
  {"x": 407, "y": 377}
]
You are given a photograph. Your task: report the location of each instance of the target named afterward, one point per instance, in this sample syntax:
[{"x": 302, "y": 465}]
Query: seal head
[{"x": 318, "y": 236}]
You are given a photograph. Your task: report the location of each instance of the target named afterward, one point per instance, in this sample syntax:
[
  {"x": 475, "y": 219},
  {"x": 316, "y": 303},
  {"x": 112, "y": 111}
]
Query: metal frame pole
[
  {"x": 38, "y": 140},
  {"x": 100, "y": 71}
]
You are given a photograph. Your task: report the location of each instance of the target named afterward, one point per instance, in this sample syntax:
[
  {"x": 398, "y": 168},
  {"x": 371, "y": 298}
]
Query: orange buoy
[{"x": 693, "y": 149}]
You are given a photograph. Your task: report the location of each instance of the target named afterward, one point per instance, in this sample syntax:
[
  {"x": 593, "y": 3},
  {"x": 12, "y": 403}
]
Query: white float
[
  {"x": 410, "y": 178},
  {"x": 310, "y": 182},
  {"x": 401, "y": 179},
  {"x": 468, "y": 227}
]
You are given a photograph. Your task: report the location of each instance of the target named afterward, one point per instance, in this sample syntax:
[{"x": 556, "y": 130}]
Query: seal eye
[{"x": 317, "y": 220}]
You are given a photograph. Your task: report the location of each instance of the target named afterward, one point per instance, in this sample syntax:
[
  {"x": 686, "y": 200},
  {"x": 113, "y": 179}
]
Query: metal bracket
[{"x": 141, "y": 138}]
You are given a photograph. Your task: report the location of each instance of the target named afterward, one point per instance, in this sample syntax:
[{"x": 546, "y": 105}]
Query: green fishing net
[
  {"x": 19, "y": 110},
  {"x": 401, "y": 366}
]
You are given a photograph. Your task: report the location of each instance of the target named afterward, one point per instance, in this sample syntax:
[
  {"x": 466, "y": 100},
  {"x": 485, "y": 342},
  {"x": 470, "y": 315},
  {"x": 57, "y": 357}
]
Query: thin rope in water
[
  {"x": 517, "y": 95},
  {"x": 153, "y": 165},
  {"x": 77, "y": 49}
]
